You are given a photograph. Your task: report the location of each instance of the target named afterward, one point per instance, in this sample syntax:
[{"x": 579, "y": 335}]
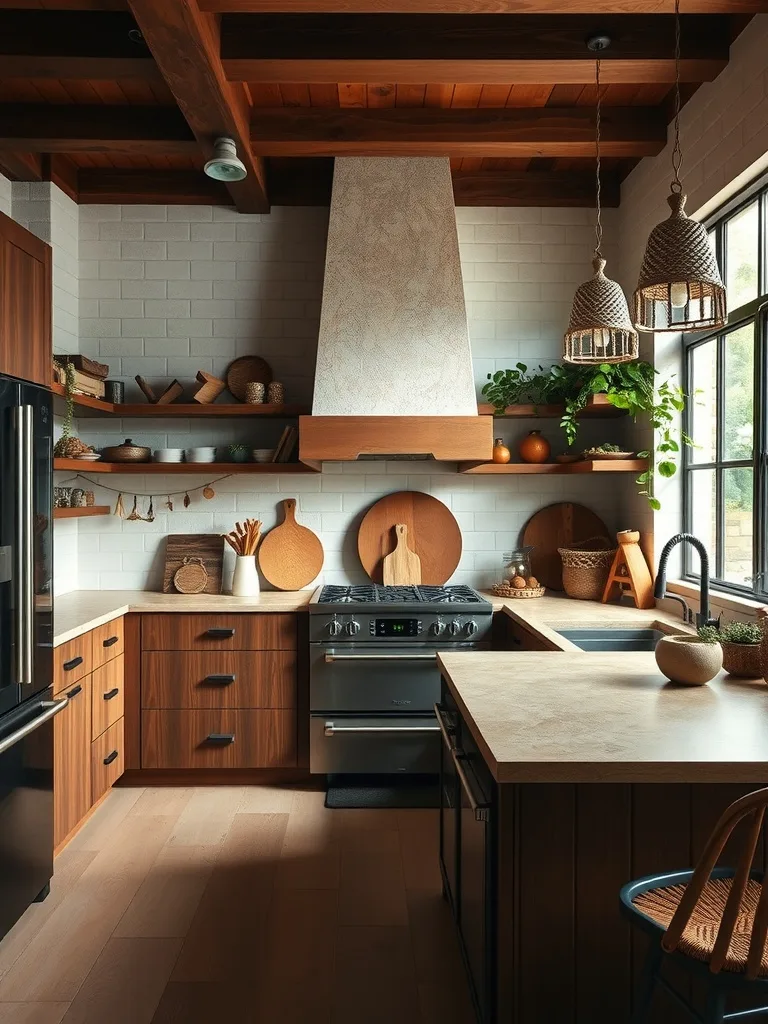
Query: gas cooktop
[{"x": 373, "y": 594}]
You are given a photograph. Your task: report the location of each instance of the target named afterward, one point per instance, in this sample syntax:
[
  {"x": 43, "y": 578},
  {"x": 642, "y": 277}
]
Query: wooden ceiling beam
[
  {"x": 427, "y": 131},
  {"x": 484, "y": 48},
  {"x": 185, "y": 45},
  {"x": 102, "y": 185},
  {"x": 532, "y": 188},
  {"x": 45, "y": 128},
  {"x": 478, "y": 6},
  {"x": 19, "y": 166}
]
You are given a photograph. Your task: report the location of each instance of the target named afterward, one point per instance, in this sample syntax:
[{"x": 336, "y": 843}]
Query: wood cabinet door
[
  {"x": 72, "y": 761},
  {"x": 25, "y": 304}
]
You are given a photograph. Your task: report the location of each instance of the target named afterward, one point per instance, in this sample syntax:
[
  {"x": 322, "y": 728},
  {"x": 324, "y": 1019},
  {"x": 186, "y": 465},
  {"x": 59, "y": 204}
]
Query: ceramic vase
[
  {"x": 688, "y": 659},
  {"x": 534, "y": 447},
  {"x": 245, "y": 581}
]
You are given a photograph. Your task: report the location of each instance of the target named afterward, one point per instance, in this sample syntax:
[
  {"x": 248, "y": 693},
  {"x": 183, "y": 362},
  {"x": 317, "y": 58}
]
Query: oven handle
[
  {"x": 50, "y": 708},
  {"x": 331, "y": 657},
  {"x": 331, "y": 729},
  {"x": 480, "y": 810},
  {"x": 445, "y": 729}
]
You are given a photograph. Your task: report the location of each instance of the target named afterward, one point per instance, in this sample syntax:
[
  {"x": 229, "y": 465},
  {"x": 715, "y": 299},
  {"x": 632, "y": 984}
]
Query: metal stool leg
[
  {"x": 647, "y": 983},
  {"x": 715, "y": 1009}
]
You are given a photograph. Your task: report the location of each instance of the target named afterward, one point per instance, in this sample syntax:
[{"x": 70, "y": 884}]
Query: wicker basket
[
  {"x": 743, "y": 659},
  {"x": 586, "y": 566}
]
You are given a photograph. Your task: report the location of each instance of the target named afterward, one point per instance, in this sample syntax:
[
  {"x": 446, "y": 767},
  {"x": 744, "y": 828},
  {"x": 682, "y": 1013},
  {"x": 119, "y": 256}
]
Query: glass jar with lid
[{"x": 517, "y": 563}]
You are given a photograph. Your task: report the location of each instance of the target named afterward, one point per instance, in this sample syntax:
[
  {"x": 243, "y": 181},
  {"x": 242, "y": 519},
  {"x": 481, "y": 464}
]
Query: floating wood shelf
[
  {"x": 80, "y": 513},
  {"x": 597, "y": 407},
  {"x": 596, "y": 466},
  {"x": 87, "y": 406},
  {"x": 175, "y": 468}
]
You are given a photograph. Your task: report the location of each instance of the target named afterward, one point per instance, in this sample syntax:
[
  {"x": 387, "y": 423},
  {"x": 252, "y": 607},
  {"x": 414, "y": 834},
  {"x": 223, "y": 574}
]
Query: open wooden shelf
[
  {"x": 597, "y": 407},
  {"x": 177, "y": 468},
  {"x": 568, "y": 468},
  {"x": 80, "y": 513},
  {"x": 85, "y": 405}
]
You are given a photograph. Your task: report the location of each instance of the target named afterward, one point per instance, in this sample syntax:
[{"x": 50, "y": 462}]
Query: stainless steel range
[{"x": 373, "y": 678}]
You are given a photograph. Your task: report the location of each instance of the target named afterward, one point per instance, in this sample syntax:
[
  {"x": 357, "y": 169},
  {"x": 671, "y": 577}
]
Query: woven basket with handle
[{"x": 586, "y": 566}]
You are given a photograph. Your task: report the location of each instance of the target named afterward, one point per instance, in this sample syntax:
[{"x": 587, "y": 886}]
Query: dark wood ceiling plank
[
  {"x": 479, "y": 132},
  {"x": 599, "y": 7},
  {"x": 97, "y": 185},
  {"x": 46, "y": 128},
  {"x": 531, "y": 188},
  {"x": 185, "y": 44},
  {"x": 20, "y": 166}
]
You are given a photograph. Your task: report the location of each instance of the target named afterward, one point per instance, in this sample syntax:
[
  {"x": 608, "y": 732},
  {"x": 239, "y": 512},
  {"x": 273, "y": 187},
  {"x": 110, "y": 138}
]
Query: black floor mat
[{"x": 381, "y": 791}]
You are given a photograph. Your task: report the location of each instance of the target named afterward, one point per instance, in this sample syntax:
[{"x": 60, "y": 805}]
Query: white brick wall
[
  {"x": 5, "y": 196},
  {"x": 224, "y": 285}
]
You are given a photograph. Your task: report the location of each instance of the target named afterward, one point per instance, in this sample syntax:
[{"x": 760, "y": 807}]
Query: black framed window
[{"x": 725, "y": 499}]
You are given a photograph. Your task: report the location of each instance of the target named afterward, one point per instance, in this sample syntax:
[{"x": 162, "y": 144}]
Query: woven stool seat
[{"x": 698, "y": 939}]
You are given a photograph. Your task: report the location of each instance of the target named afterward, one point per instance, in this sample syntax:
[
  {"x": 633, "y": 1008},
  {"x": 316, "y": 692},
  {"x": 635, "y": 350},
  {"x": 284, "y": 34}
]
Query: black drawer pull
[
  {"x": 110, "y": 641},
  {"x": 111, "y": 757},
  {"x": 112, "y": 693},
  {"x": 74, "y": 692},
  {"x": 69, "y": 665},
  {"x": 220, "y": 634},
  {"x": 222, "y": 738},
  {"x": 220, "y": 680}
]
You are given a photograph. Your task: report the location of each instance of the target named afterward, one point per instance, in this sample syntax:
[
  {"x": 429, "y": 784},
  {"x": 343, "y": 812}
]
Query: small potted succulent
[
  {"x": 238, "y": 452},
  {"x": 742, "y": 647}
]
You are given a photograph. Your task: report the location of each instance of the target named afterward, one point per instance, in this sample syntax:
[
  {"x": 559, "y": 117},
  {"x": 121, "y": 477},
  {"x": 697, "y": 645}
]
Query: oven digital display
[{"x": 397, "y": 627}]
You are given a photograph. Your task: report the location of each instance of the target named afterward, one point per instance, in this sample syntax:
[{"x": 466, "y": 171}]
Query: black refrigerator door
[{"x": 42, "y": 536}]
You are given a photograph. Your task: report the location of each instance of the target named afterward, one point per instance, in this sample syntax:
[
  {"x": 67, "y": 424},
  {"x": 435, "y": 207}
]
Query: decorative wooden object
[
  {"x": 558, "y": 526},
  {"x": 207, "y": 548},
  {"x": 402, "y": 566},
  {"x": 290, "y": 556},
  {"x": 433, "y": 533},
  {"x": 210, "y": 388},
  {"x": 146, "y": 389},
  {"x": 244, "y": 370},
  {"x": 344, "y": 438},
  {"x": 629, "y": 572},
  {"x": 171, "y": 393},
  {"x": 192, "y": 577},
  {"x": 88, "y": 366}
]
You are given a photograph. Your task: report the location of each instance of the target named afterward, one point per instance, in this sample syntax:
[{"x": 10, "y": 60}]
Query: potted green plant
[
  {"x": 742, "y": 647},
  {"x": 238, "y": 452},
  {"x": 631, "y": 386},
  {"x": 68, "y": 445}
]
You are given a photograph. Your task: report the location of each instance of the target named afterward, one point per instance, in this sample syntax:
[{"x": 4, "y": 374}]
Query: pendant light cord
[
  {"x": 598, "y": 221},
  {"x": 677, "y": 153}
]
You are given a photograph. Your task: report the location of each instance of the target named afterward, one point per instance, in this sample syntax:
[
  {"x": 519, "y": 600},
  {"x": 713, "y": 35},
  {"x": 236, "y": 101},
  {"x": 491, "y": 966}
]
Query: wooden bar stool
[{"x": 712, "y": 921}]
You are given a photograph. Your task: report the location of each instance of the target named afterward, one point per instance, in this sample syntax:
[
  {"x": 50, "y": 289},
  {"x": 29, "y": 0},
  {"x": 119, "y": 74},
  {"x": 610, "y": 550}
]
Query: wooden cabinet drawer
[
  {"x": 72, "y": 761},
  {"x": 107, "y": 759},
  {"x": 191, "y": 679},
  {"x": 218, "y": 739},
  {"x": 108, "y": 642},
  {"x": 72, "y": 661},
  {"x": 107, "y": 696},
  {"x": 242, "y": 632}
]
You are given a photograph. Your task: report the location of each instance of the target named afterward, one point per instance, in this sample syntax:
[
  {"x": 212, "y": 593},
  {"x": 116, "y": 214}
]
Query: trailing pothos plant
[{"x": 631, "y": 386}]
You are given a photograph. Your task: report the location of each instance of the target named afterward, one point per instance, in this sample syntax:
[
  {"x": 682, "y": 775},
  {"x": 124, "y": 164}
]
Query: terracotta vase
[
  {"x": 501, "y": 453},
  {"x": 534, "y": 447},
  {"x": 688, "y": 659}
]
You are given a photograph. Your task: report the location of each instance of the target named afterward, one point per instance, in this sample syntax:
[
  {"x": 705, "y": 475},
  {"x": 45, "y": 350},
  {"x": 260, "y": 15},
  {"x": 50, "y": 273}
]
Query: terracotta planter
[
  {"x": 743, "y": 659},
  {"x": 688, "y": 659}
]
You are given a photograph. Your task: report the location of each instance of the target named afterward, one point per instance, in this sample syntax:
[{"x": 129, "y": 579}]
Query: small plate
[
  {"x": 607, "y": 456},
  {"x": 93, "y": 457},
  {"x": 565, "y": 459}
]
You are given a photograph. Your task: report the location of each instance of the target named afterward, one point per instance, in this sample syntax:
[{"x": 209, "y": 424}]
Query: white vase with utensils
[{"x": 245, "y": 581}]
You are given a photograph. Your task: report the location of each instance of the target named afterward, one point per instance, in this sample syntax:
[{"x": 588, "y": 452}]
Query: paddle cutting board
[
  {"x": 402, "y": 567},
  {"x": 290, "y": 556},
  {"x": 433, "y": 535},
  {"x": 557, "y": 526}
]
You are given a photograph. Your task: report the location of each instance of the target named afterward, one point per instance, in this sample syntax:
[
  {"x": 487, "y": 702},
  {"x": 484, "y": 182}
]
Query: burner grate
[{"x": 374, "y": 594}]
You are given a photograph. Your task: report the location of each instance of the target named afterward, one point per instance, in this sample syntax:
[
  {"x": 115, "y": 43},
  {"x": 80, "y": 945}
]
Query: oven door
[
  {"x": 374, "y": 744},
  {"x": 361, "y": 678}
]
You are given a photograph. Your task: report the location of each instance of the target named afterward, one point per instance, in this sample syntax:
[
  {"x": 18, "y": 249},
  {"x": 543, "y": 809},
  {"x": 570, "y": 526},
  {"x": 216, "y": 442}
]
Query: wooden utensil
[
  {"x": 630, "y": 572},
  {"x": 558, "y": 526},
  {"x": 290, "y": 556},
  {"x": 246, "y": 369},
  {"x": 434, "y": 535},
  {"x": 402, "y": 567}
]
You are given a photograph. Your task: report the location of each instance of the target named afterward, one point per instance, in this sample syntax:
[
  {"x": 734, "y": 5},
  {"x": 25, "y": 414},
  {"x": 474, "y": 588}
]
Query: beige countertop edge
[{"x": 83, "y": 610}]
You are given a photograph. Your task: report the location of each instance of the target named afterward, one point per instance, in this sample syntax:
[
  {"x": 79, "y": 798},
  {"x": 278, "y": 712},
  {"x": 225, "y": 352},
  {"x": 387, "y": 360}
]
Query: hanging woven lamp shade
[
  {"x": 679, "y": 288},
  {"x": 600, "y": 330}
]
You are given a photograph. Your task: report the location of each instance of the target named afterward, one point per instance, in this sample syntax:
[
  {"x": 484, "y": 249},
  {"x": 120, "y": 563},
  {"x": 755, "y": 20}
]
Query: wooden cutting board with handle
[
  {"x": 558, "y": 526},
  {"x": 402, "y": 567},
  {"x": 290, "y": 556},
  {"x": 433, "y": 535}
]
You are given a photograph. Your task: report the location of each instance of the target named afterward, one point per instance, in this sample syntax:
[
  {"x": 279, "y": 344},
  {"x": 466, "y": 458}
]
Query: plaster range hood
[{"x": 394, "y": 372}]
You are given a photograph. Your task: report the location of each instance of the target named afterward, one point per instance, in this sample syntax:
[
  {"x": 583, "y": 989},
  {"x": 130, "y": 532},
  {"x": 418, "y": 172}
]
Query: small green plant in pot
[
  {"x": 742, "y": 647},
  {"x": 238, "y": 452}
]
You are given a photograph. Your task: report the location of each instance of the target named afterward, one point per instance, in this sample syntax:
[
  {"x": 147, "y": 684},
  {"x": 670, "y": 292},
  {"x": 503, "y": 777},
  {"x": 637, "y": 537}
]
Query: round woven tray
[
  {"x": 244, "y": 370},
  {"x": 191, "y": 577},
  {"x": 502, "y": 590}
]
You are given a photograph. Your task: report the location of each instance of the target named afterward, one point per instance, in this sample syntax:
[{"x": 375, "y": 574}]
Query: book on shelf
[{"x": 286, "y": 444}]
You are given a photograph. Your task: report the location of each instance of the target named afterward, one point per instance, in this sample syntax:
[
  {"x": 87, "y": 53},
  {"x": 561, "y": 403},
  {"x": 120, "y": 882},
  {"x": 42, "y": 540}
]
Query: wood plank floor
[{"x": 238, "y": 904}]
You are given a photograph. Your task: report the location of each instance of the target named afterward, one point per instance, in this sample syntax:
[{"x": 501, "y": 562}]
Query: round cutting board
[
  {"x": 433, "y": 534},
  {"x": 557, "y": 526},
  {"x": 290, "y": 556}
]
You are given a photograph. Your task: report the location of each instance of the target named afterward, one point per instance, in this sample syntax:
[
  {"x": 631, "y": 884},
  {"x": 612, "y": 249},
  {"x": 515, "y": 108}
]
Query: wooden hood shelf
[{"x": 348, "y": 438}]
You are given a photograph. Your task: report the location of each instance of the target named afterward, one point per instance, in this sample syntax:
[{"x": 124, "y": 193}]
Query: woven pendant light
[
  {"x": 599, "y": 328},
  {"x": 679, "y": 288}
]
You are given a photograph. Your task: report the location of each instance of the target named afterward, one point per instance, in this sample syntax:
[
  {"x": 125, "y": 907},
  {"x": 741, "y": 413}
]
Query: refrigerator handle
[{"x": 25, "y": 566}]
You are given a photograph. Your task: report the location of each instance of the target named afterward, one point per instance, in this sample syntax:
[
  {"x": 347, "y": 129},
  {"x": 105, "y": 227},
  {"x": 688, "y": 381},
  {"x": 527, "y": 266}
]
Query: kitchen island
[{"x": 585, "y": 770}]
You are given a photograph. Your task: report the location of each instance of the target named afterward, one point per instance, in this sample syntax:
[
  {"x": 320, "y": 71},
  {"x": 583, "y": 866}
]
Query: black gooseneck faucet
[{"x": 703, "y": 617}]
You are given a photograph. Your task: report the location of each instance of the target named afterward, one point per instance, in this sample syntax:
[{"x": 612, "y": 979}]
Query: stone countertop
[{"x": 82, "y": 610}]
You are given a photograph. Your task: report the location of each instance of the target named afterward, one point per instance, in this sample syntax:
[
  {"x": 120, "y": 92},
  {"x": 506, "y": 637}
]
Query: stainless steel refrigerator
[{"x": 26, "y": 647}]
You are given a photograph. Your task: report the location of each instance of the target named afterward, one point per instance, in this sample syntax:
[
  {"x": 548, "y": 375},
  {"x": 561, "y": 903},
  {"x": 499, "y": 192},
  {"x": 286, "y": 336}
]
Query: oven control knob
[
  {"x": 454, "y": 628},
  {"x": 437, "y": 628},
  {"x": 334, "y": 628},
  {"x": 471, "y": 628},
  {"x": 353, "y": 628}
]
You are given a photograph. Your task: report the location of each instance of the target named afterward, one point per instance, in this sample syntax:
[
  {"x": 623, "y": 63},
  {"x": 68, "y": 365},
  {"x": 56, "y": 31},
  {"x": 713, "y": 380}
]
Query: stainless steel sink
[{"x": 613, "y": 639}]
